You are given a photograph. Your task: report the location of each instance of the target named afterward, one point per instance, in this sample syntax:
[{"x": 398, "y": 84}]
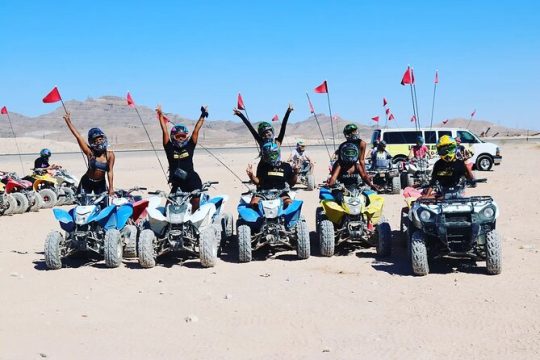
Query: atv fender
[
  {"x": 373, "y": 211},
  {"x": 218, "y": 201},
  {"x": 65, "y": 218},
  {"x": 102, "y": 215},
  {"x": 119, "y": 217},
  {"x": 139, "y": 208},
  {"x": 333, "y": 211},
  {"x": 246, "y": 213},
  {"x": 203, "y": 216},
  {"x": 326, "y": 194},
  {"x": 292, "y": 213}
]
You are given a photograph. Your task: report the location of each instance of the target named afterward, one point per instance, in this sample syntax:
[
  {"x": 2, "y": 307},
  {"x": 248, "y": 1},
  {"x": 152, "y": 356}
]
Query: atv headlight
[
  {"x": 353, "y": 202},
  {"x": 425, "y": 215},
  {"x": 488, "y": 212}
]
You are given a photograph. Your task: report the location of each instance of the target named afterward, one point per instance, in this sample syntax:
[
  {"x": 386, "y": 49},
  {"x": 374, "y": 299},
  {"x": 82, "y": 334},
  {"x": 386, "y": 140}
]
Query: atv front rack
[{"x": 435, "y": 201}]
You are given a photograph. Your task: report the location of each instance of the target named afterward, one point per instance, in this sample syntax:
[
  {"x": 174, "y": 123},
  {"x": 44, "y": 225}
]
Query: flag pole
[
  {"x": 331, "y": 119},
  {"x": 320, "y": 130},
  {"x": 433, "y": 103},
  {"x": 152, "y": 144},
  {"x": 416, "y": 104},
  {"x": 414, "y": 108},
  {"x": 16, "y": 143}
]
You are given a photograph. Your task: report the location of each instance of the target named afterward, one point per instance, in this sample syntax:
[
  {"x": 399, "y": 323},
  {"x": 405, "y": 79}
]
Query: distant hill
[{"x": 124, "y": 129}]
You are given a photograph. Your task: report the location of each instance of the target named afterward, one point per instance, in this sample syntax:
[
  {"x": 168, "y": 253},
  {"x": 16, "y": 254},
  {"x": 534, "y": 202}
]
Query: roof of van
[{"x": 424, "y": 129}]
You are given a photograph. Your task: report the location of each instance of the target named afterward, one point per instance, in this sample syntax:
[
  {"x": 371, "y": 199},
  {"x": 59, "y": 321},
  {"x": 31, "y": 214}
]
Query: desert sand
[{"x": 350, "y": 306}]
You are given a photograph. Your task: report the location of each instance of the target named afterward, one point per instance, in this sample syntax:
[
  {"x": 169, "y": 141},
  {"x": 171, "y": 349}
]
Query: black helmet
[
  {"x": 264, "y": 127},
  {"x": 93, "y": 134},
  {"x": 179, "y": 135},
  {"x": 349, "y": 153},
  {"x": 45, "y": 153},
  {"x": 350, "y": 131},
  {"x": 271, "y": 153}
]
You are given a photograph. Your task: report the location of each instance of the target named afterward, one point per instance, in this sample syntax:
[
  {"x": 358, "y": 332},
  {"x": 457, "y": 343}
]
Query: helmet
[
  {"x": 348, "y": 153},
  {"x": 263, "y": 128},
  {"x": 179, "y": 135},
  {"x": 271, "y": 153},
  {"x": 300, "y": 145},
  {"x": 93, "y": 134},
  {"x": 350, "y": 131},
  {"x": 446, "y": 148},
  {"x": 420, "y": 140},
  {"x": 45, "y": 153}
]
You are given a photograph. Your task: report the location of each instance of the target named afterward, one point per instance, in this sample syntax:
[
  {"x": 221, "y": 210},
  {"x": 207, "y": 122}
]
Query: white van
[{"x": 400, "y": 140}]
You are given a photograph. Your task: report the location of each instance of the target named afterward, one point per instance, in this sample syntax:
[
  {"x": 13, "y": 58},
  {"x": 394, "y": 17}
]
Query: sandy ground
[{"x": 345, "y": 307}]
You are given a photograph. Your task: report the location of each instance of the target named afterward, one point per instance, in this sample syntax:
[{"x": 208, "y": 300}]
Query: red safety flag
[
  {"x": 240, "y": 104},
  {"x": 275, "y": 118},
  {"x": 322, "y": 89},
  {"x": 387, "y": 111},
  {"x": 445, "y": 121},
  {"x": 53, "y": 96},
  {"x": 130, "y": 101},
  {"x": 408, "y": 77},
  {"x": 384, "y": 102},
  {"x": 391, "y": 117},
  {"x": 413, "y": 118},
  {"x": 4, "y": 111},
  {"x": 473, "y": 113},
  {"x": 311, "y": 108},
  {"x": 375, "y": 118},
  {"x": 436, "y": 76}
]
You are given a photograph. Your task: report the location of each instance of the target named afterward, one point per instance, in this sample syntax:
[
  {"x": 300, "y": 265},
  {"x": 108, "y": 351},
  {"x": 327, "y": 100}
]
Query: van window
[
  {"x": 429, "y": 137},
  {"x": 442, "y": 133},
  {"x": 401, "y": 137},
  {"x": 466, "y": 137},
  {"x": 375, "y": 136}
]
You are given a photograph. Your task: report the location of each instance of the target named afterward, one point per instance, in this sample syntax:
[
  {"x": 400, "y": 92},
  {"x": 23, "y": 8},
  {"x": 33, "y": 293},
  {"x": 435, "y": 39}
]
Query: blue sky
[{"x": 184, "y": 54}]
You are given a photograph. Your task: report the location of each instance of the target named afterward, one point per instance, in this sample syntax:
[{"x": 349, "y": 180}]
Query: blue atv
[
  {"x": 92, "y": 226},
  {"x": 270, "y": 225}
]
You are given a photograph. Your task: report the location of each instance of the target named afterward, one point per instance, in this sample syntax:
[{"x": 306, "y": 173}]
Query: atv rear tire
[
  {"x": 419, "y": 258},
  {"x": 310, "y": 182},
  {"x": 53, "y": 258},
  {"x": 10, "y": 204},
  {"x": 129, "y": 239},
  {"x": 327, "y": 240},
  {"x": 49, "y": 198},
  {"x": 38, "y": 203},
  {"x": 147, "y": 255},
  {"x": 384, "y": 238},
  {"x": 208, "y": 247},
  {"x": 396, "y": 185},
  {"x": 493, "y": 253},
  {"x": 244, "y": 243},
  {"x": 303, "y": 246},
  {"x": 112, "y": 248},
  {"x": 22, "y": 203}
]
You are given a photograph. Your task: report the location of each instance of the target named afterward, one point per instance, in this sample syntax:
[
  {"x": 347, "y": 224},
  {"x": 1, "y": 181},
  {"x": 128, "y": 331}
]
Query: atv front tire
[
  {"x": 244, "y": 243},
  {"x": 53, "y": 258},
  {"x": 419, "y": 258},
  {"x": 327, "y": 241},
  {"x": 208, "y": 247},
  {"x": 10, "y": 204},
  {"x": 129, "y": 239},
  {"x": 303, "y": 248},
  {"x": 22, "y": 203},
  {"x": 147, "y": 257},
  {"x": 384, "y": 237},
  {"x": 112, "y": 248},
  {"x": 38, "y": 203},
  {"x": 493, "y": 253}
]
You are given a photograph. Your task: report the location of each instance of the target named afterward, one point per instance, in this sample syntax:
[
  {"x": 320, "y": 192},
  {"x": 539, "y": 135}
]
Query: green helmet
[
  {"x": 350, "y": 131},
  {"x": 264, "y": 127}
]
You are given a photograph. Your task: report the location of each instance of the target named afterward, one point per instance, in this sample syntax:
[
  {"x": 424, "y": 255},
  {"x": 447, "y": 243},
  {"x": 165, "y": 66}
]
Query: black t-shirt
[
  {"x": 180, "y": 157},
  {"x": 41, "y": 163},
  {"x": 448, "y": 173},
  {"x": 274, "y": 177}
]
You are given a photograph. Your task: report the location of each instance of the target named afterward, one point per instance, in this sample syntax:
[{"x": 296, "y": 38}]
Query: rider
[
  {"x": 352, "y": 136},
  {"x": 380, "y": 158},
  {"x": 272, "y": 173},
  {"x": 448, "y": 170},
  {"x": 265, "y": 130},
  {"x": 299, "y": 155},
  {"x": 42, "y": 162},
  {"x": 347, "y": 169},
  {"x": 179, "y": 148},
  {"x": 420, "y": 150},
  {"x": 100, "y": 160},
  {"x": 461, "y": 151}
]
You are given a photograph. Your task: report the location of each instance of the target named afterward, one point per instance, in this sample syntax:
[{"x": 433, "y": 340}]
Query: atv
[
  {"x": 94, "y": 226},
  {"x": 416, "y": 172},
  {"x": 68, "y": 186},
  {"x": 351, "y": 214},
  {"x": 270, "y": 225},
  {"x": 452, "y": 225},
  {"x": 175, "y": 228},
  {"x": 21, "y": 190},
  {"x": 387, "y": 179},
  {"x": 305, "y": 176}
]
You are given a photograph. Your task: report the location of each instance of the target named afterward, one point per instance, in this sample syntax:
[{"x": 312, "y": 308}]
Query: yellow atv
[
  {"x": 352, "y": 214},
  {"x": 46, "y": 185}
]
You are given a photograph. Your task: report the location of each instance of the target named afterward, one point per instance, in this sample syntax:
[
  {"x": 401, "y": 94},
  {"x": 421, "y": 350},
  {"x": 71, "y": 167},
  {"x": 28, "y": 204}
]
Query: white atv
[
  {"x": 67, "y": 184},
  {"x": 174, "y": 227},
  {"x": 417, "y": 172}
]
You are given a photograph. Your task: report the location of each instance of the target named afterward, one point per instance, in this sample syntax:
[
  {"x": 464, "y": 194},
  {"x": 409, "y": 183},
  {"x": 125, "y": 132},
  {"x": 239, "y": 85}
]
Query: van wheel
[{"x": 484, "y": 163}]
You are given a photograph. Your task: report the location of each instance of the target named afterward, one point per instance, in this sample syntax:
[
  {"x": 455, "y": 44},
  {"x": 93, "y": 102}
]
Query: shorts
[
  {"x": 192, "y": 182},
  {"x": 90, "y": 185}
]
